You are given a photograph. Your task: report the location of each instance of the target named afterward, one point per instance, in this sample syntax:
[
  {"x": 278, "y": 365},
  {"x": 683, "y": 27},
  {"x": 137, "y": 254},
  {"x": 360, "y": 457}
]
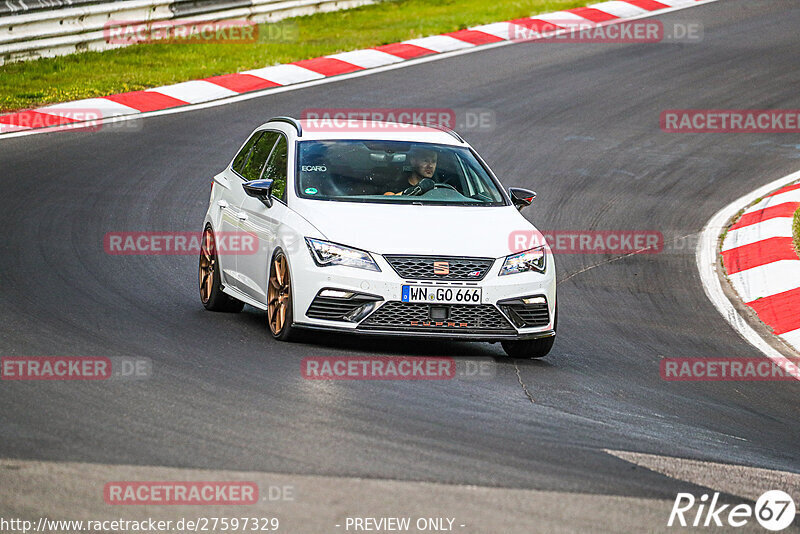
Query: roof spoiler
[
  {"x": 294, "y": 122},
  {"x": 290, "y": 120}
]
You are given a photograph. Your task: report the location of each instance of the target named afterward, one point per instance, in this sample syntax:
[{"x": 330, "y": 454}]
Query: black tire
[
  {"x": 211, "y": 294},
  {"x": 531, "y": 348},
  {"x": 279, "y": 296}
]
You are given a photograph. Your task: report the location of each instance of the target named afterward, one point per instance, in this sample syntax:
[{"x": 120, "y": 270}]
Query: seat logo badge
[{"x": 441, "y": 267}]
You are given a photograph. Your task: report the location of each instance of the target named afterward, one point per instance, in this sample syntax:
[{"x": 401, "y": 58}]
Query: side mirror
[
  {"x": 260, "y": 189},
  {"x": 521, "y": 197}
]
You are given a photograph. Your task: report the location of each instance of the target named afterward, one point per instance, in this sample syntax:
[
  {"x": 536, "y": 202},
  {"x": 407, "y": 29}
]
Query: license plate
[{"x": 442, "y": 295}]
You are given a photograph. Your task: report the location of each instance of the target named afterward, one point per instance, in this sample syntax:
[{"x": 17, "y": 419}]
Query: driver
[{"x": 423, "y": 165}]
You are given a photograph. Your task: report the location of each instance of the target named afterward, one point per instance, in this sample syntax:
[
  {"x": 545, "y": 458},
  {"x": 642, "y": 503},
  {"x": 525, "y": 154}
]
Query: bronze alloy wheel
[
  {"x": 208, "y": 263},
  {"x": 279, "y": 296}
]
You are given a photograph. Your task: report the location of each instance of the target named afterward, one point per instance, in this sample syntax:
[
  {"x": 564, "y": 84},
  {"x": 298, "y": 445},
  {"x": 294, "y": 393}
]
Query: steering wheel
[{"x": 417, "y": 191}]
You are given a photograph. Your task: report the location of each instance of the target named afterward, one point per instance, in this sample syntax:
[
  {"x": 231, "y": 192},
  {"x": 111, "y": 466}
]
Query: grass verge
[
  {"x": 796, "y": 231},
  {"x": 92, "y": 74}
]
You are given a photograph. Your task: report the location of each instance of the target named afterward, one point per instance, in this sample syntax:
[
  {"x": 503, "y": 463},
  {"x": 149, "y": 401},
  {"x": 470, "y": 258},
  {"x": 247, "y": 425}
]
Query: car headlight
[
  {"x": 530, "y": 260},
  {"x": 326, "y": 253}
]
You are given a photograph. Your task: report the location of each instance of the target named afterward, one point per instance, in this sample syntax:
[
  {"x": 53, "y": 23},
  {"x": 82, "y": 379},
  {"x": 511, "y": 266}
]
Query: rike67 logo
[{"x": 774, "y": 510}]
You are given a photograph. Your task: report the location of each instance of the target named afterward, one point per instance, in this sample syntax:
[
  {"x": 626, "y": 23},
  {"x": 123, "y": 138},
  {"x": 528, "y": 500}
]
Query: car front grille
[
  {"x": 336, "y": 308},
  {"x": 394, "y": 315},
  {"x": 527, "y": 315},
  {"x": 440, "y": 267}
]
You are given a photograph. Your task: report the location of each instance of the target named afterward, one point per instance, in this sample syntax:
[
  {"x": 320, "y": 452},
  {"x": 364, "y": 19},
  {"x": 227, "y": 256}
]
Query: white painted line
[
  {"x": 766, "y": 280},
  {"x": 706, "y": 256},
  {"x": 440, "y": 43},
  {"x": 285, "y": 74},
  {"x": 367, "y": 59},
  {"x": 321, "y": 79},
  {"x": 747, "y": 235},
  {"x": 102, "y": 106},
  {"x": 195, "y": 91},
  {"x": 619, "y": 9}
]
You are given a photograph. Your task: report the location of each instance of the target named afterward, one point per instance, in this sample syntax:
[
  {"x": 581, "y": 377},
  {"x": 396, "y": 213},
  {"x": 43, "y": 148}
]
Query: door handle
[{"x": 222, "y": 204}]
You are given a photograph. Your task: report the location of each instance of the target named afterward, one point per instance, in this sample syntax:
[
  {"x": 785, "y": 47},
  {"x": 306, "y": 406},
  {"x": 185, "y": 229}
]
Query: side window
[
  {"x": 241, "y": 158},
  {"x": 276, "y": 169},
  {"x": 255, "y": 163}
]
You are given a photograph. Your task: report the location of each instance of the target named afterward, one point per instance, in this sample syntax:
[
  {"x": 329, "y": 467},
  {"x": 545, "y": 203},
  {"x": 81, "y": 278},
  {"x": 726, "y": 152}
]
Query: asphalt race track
[{"x": 578, "y": 123}]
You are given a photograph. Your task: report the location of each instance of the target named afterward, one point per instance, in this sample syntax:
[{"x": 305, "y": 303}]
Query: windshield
[{"x": 393, "y": 172}]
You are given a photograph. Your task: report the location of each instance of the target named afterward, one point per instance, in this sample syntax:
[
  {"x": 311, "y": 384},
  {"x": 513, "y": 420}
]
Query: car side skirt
[{"x": 238, "y": 295}]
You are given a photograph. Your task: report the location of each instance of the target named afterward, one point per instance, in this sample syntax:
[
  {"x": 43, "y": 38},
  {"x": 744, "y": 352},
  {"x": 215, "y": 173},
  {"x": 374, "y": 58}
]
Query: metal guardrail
[
  {"x": 66, "y": 30},
  {"x": 20, "y": 7}
]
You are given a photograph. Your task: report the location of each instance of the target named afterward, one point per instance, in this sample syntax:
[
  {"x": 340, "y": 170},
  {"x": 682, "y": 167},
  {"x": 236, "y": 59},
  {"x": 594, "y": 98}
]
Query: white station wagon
[{"x": 397, "y": 231}]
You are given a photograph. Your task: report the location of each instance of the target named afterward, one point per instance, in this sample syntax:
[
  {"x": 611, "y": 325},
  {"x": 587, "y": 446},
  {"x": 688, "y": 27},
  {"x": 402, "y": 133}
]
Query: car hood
[{"x": 409, "y": 229}]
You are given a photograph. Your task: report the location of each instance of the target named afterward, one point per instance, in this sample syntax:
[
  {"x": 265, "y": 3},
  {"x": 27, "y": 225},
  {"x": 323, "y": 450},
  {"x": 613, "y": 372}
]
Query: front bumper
[
  {"x": 457, "y": 336},
  {"x": 385, "y": 287}
]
